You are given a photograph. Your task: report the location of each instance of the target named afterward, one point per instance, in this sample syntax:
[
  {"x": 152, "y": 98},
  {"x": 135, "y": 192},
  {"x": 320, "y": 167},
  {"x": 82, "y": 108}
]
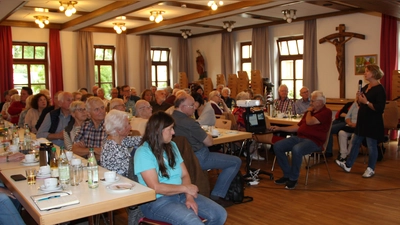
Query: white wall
[{"x": 210, "y": 47}]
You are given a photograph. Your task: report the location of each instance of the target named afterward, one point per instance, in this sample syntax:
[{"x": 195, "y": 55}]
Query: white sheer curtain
[
  {"x": 310, "y": 76},
  {"x": 145, "y": 62},
  {"x": 227, "y": 54},
  {"x": 260, "y": 51},
  {"x": 122, "y": 60},
  {"x": 85, "y": 75}
]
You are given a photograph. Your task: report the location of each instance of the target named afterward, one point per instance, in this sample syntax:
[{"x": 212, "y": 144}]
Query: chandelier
[
  {"x": 214, "y": 5},
  {"x": 156, "y": 16},
  {"x": 119, "y": 27},
  {"x": 289, "y": 15},
  {"x": 69, "y": 7},
  {"x": 186, "y": 33},
  {"x": 41, "y": 20},
  {"x": 229, "y": 25}
]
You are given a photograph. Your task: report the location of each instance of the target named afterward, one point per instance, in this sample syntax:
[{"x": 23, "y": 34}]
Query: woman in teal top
[{"x": 159, "y": 165}]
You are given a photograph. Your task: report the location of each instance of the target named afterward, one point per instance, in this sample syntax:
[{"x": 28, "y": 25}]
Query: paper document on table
[{"x": 54, "y": 200}]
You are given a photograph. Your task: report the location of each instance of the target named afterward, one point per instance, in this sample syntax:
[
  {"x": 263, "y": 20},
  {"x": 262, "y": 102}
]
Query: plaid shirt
[
  {"x": 90, "y": 136},
  {"x": 284, "y": 105}
]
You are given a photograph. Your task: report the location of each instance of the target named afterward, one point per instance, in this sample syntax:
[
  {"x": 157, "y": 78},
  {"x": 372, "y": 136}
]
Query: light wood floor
[{"x": 347, "y": 199}]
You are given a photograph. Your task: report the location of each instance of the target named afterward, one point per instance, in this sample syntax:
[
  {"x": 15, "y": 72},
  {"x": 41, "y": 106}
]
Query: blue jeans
[
  {"x": 8, "y": 213},
  {"x": 229, "y": 164},
  {"x": 372, "y": 149},
  {"x": 299, "y": 147},
  {"x": 172, "y": 209},
  {"x": 337, "y": 125}
]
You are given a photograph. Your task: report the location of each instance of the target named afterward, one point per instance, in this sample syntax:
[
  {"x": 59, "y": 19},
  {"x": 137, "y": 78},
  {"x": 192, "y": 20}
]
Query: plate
[
  {"x": 120, "y": 187},
  {"x": 43, "y": 188},
  {"x": 34, "y": 161},
  {"x": 110, "y": 182},
  {"x": 232, "y": 132}
]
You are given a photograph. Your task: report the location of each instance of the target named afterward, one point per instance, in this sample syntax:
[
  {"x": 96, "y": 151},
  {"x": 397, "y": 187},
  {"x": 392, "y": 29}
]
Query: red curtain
[
  {"x": 388, "y": 59},
  {"x": 56, "y": 77},
  {"x": 6, "y": 60}
]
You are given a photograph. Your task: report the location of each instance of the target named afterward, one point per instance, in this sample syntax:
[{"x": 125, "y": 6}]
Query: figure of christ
[
  {"x": 200, "y": 64},
  {"x": 339, "y": 52}
]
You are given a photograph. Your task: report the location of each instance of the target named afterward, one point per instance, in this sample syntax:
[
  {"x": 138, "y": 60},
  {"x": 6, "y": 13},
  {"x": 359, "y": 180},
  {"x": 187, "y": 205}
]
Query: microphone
[{"x": 359, "y": 85}]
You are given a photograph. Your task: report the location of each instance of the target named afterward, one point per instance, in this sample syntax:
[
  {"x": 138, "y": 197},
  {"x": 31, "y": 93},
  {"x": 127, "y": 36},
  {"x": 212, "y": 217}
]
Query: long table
[
  {"x": 283, "y": 121},
  {"x": 92, "y": 201},
  {"x": 227, "y": 136}
]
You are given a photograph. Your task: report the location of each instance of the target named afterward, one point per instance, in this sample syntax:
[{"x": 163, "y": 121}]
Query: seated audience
[
  {"x": 220, "y": 87},
  {"x": 92, "y": 132},
  {"x": 83, "y": 90},
  {"x": 215, "y": 100},
  {"x": 6, "y": 98},
  {"x": 200, "y": 140},
  {"x": 177, "y": 86},
  {"x": 38, "y": 104},
  {"x": 117, "y": 103},
  {"x": 129, "y": 103},
  {"x": 143, "y": 113},
  {"x": 168, "y": 91},
  {"x": 79, "y": 116},
  {"x": 55, "y": 105},
  {"x": 347, "y": 131},
  {"x": 203, "y": 113},
  {"x": 196, "y": 88},
  {"x": 301, "y": 105},
  {"x": 226, "y": 96},
  {"x": 21, "y": 121},
  {"x": 46, "y": 92},
  {"x": 114, "y": 93},
  {"x": 94, "y": 90},
  {"x": 6, "y": 105},
  {"x": 85, "y": 97},
  {"x": 159, "y": 103},
  {"x": 115, "y": 155},
  {"x": 147, "y": 95},
  {"x": 159, "y": 165},
  {"x": 16, "y": 107},
  {"x": 311, "y": 135},
  {"x": 77, "y": 96},
  {"x": 240, "y": 114},
  {"x": 153, "y": 91},
  {"x": 54, "y": 123},
  {"x": 170, "y": 99},
  {"x": 9, "y": 213},
  {"x": 101, "y": 95},
  {"x": 134, "y": 95},
  {"x": 283, "y": 104}
]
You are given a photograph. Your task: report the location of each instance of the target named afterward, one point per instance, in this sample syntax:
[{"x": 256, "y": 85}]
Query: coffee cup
[
  {"x": 50, "y": 183},
  {"x": 44, "y": 170},
  {"x": 110, "y": 176},
  {"x": 29, "y": 157},
  {"x": 13, "y": 148},
  {"x": 215, "y": 132},
  {"x": 76, "y": 162}
]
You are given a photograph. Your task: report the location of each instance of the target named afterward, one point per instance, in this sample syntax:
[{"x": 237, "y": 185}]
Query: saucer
[
  {"x": 39, "y": 175},
  {"x": 110, "y": 182},
  {"x": 43, "y": 188},
  {"x": 35, "y": 162},
  {"x": 120, "y": 187}
]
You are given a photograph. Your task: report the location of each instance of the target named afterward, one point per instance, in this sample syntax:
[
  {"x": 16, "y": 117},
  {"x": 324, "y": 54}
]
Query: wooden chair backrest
[
  {"x": 390, "y": 115},
  {"x": 327, "y": 137},
  {"x": 223, "y": 124}
]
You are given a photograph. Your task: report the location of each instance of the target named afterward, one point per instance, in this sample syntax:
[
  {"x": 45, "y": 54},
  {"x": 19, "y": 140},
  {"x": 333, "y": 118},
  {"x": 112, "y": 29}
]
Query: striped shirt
[{"x": 90, "y": 136}]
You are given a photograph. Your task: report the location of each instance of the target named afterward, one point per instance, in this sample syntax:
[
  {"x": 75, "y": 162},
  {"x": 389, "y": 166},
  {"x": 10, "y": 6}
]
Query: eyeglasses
[
  {"x": 80, "y": 109},
  {"x": 190, "y": 106},
  {"x": 96, "y": 110}
]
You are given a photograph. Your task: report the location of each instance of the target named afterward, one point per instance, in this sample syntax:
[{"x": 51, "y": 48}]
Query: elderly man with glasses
[
  {"x": 159, "y": 104},
  {"x": 143, "y": 113},
  {"x": 186, "y": 126},
  {"x": 311, "y": 135},
  {"x": 129, "y": 103},
  {"x": 92, "y": 132}
]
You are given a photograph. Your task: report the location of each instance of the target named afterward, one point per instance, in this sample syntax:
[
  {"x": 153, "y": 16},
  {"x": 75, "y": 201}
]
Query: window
[
  {"x": 104, "y": 71},
  {"x": 291, "y": 64},
  {"x": 160, "y": 67},
  {"x": 30, "y": 65},
  {"x": 245, "y": 58}
]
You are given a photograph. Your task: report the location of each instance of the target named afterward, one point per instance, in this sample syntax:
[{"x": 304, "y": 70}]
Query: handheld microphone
[{"x": 359, "y": 85}]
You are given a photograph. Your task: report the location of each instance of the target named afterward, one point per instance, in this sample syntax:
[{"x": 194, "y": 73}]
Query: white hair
[{"x": 114, "y": 121}]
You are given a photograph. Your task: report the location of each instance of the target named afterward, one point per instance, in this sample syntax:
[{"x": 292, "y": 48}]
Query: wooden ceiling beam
[{"x": 14, "y": 23}]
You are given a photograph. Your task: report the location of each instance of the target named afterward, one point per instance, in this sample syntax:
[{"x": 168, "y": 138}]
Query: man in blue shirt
[{"x": 302, "y": 104}]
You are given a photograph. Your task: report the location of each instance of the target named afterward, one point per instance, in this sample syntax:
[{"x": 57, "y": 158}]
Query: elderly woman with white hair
[
  {"x": 216, "y": 101},
  {"x": 115, "y": 155}
]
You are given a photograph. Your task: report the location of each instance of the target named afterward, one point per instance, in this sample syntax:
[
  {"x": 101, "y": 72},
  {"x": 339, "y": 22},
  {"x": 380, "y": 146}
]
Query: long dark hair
[{"x": 153, "y": 136}]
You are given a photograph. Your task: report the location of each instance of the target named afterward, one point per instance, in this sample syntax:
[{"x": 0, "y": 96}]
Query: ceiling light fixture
[
  {"x": 289, "y": 15},
  {"x": 119, "y": 27},
  {"x": 41, "y": 20},
  {"x": 69, "y": 7},
  {"x": 156, "y": 16},
  {"x": 229, "y": 25},
  {"x": 186, "y": 33},
  {"x": 214, "y": 5}
]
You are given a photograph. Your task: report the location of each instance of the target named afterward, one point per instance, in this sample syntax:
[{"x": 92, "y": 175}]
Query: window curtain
[
  {"x": 260, "y": 51},
  {"x": 56, "y": 75},
  {"x": 310, "y": 74},
  {"x": 122, "y": 60},
  {"x": 227, "y": 54},
  {"x": 85, "y": 49},
  {"x": 145, "y": 62},
  {"x": 183, "y": 57},
  {"x": 6, "y": 60},
  {"x": 388, "y": 58}
]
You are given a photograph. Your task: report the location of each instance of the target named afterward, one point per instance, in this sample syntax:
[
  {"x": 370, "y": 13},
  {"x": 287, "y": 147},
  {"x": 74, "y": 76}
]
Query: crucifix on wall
[{"x": 339, "y": 40}]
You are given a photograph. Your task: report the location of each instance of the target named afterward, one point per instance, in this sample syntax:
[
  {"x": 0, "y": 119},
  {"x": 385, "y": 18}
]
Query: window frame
[
  {"x": 293, "y": 58},
  {"x": 29, "y": 62},
  {"x": 155, "y": 64},
  {"x": 103, "y": 62},
  {"x": 245, "y": 60}
]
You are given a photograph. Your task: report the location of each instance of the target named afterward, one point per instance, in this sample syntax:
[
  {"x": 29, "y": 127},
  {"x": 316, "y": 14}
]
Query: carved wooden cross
[{"x": 339, "y": 40}]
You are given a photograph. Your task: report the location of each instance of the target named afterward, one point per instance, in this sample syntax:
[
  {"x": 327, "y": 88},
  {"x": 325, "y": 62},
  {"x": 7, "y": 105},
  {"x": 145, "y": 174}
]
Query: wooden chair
[
  {"x": 223, "y": 124},
  {"x": 317, "y": 155},
  {"x": 390, "y": 116}
]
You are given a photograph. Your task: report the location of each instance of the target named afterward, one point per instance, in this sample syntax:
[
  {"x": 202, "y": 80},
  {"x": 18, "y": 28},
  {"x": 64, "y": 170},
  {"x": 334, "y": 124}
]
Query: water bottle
[
  {"x": 63, "y": 167},
  {"x": 6, "y": 140},
  {"x": 92, "y": 169},
  {"x": 27, "y": 137},
  {"x": 75, "y": 172}
]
